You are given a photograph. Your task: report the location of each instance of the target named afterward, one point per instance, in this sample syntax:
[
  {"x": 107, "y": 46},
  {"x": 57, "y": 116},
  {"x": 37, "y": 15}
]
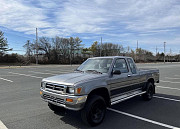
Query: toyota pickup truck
[{"x": 96, "y": 84}]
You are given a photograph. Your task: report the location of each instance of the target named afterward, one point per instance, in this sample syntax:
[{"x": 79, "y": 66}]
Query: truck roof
[{"x": 110, "y": 57}]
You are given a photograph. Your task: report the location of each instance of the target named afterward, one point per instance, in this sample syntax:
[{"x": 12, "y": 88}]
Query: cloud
[
  {"x": 22, "y": 18},
  {"x": 95, "y": 16},
  {"x": 130, "y": 20}
]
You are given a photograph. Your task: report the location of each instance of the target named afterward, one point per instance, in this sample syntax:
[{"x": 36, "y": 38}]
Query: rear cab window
[{"x": 132, "y": 66}]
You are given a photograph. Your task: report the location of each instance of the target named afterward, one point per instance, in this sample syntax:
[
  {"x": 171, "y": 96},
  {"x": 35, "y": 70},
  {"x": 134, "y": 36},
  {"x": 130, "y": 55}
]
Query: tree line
[{"x": 59, "y": 50}]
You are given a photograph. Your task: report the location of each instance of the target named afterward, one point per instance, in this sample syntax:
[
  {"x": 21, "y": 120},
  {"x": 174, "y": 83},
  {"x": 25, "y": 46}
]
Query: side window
[
  {"x": 121, "y": 65},
  {"x": 132, "y": 66}
]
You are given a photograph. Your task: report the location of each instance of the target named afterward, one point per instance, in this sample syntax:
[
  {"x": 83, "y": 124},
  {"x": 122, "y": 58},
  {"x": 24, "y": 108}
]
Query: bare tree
[
  {"x": 45, "y": 46},
  {"x": 28, "y": 49}
]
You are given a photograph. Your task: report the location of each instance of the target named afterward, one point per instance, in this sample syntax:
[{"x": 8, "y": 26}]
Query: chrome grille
[
  {"x": 53, "y": 99},
  {"x": 56, "y": 87}
]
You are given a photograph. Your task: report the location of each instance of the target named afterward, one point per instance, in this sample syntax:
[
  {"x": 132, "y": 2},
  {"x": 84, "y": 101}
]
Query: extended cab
[{"x": 97, "y": 84}]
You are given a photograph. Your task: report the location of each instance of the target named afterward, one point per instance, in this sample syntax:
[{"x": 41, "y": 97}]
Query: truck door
[
  {"x": 134, "y": 75},
  {"x": 120, "y": 84}
]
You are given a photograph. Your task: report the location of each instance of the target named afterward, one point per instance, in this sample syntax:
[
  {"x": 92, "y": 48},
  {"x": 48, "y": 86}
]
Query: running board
[{"x": 125, "y": 97}]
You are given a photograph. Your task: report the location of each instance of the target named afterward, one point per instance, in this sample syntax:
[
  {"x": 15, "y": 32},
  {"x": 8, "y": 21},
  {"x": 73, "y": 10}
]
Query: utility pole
[
  {"x": 156, "y": 53},
  {"x": 36, "y": 47},
  {"x": 101, "y": 47},
  {"x": 136, "y": 50},
  {"x": 137, "y": 44},
  {"x": 28, "y": 49},
  {"x": 71, "y": 43},
  {"x": 170, "y": 56},
  {"x": 156, "y": 50},
  {"x": 179, "y": 55},
  {"x": 164, "y": 52}
]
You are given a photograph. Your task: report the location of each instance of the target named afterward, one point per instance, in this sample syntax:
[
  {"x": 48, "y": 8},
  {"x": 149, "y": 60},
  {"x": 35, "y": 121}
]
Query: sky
[{"x": 151, "y": 22}]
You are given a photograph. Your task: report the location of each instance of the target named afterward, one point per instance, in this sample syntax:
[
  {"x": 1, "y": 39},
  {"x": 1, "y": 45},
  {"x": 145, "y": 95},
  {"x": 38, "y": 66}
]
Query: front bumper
[{"x": 60, "y": 100}]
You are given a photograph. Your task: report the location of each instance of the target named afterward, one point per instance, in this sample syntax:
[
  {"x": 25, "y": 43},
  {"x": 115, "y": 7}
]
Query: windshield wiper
[{"x": 93, "y": 71}]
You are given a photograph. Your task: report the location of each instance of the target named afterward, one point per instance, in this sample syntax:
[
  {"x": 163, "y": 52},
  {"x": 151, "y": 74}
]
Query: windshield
[{"x": 96, "y": 65}]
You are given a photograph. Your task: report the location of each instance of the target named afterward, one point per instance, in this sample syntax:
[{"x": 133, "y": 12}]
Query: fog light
[{"x": 69, "y": 100}]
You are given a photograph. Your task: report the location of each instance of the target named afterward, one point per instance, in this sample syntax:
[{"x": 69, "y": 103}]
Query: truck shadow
[{"x": 134, "y": 106}]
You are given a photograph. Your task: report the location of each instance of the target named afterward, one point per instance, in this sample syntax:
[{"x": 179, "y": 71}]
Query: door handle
[{"x": 128, "y": 75}]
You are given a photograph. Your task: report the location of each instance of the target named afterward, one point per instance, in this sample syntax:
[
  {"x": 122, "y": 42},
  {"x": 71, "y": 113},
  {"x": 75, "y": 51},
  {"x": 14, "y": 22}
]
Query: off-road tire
[
  {"x": 149, "y": 91},
  {"x": 94, "y": 111}
]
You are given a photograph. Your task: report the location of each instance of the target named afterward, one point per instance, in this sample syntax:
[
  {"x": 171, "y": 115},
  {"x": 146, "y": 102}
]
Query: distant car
[{"x": 97, "y": 84}]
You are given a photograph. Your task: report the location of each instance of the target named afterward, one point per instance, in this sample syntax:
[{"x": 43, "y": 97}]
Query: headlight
[
  {"x": 71, "y": 90},
  {"x": 43, "y": 85}
]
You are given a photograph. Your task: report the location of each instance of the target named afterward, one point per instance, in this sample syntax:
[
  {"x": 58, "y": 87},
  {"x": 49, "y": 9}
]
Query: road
[{"x": 22, "y": 108}]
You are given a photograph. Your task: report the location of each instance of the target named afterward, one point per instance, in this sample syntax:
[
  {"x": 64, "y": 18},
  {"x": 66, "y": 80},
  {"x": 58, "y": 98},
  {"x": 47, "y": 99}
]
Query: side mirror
[{"x": 116, "y": 72}]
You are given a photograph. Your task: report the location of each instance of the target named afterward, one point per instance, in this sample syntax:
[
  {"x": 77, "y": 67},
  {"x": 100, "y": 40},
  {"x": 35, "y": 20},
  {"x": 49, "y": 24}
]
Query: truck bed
[{"x": 148, "y": 72}]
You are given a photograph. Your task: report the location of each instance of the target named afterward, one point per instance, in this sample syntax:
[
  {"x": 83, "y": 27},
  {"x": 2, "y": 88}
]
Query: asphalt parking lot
[{"x": 22, "y": 108}]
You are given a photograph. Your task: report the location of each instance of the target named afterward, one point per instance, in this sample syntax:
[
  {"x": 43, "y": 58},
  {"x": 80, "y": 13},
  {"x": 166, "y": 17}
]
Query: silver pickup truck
[{"x": 97, "y": 84}]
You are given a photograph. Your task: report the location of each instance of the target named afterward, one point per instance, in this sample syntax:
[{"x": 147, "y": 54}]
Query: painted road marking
[
  {"x": 172, "y": 78},
  {"x": 59, "y": 72},
  {"x": 25, "y": 75},
  {"x": 144, "y": 119},
  {"x": 168, "y": 81},
  {"x": 159, "y": 97},
  {"x": 8, "y": 75},
  {"x": 177, "y": 75},
  {"x": 5, "y": 79},
  {"x": 41, "y": 73},
  {"x": 2, "y": 126},
  {"x": 171, "y": 88}
]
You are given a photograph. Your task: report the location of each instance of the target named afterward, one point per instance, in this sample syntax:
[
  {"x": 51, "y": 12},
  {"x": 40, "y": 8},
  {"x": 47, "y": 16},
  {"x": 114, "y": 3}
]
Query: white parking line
[
  {"x": 2, "y": 126},
  {"x": 42, "y": 73},
  {"x": 58, "y": 72},
  {"x": 25, "y": 75},
  {"x": 172, "y": 78},
  {"x": 168, "y": 81},
  {"x": 171, "y": 88},
  {"x": 8, "y": 75},
  {"x": 159, "y": 97},
  {"x": 144, "y": 119},
  {"x": 5, "y": 79}
]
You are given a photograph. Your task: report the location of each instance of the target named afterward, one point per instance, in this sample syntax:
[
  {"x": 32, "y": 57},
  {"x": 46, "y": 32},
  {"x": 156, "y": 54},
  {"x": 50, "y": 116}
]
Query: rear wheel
[
  {"x": 56, "y": 108},
  {"x": 94, "y": 110},
  {"x": 149, "y": 92}
]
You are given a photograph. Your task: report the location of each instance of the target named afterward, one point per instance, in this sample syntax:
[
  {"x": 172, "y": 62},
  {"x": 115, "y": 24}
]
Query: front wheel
[
  {"x": 94, "y": 110},
  {"x": 149, "y": 92}
]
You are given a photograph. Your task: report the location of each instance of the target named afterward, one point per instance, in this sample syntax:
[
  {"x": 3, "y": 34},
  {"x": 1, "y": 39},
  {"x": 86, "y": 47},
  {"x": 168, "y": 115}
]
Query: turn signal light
[
  {"x": 69, "y": 100},
  {"x": 41, "y": 93},
  {"x": 79, "y": 90}
]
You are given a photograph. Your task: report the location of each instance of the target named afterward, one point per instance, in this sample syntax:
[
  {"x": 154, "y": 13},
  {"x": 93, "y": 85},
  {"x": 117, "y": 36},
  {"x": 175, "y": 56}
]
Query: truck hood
[{"x": 72, "y": 78}]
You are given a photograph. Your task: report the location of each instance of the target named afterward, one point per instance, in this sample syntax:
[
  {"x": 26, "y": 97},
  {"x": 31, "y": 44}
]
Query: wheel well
[
  {"x": 151, "y": 80},
  {"x": 103, "y": 92}
]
